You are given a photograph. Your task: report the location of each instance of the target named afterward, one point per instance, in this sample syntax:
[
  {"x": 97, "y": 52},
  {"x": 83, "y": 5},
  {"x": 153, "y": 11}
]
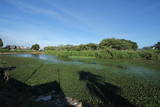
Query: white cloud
[
  {"x": 26, "y": 7},
  {"x": 58, "y": 12}
]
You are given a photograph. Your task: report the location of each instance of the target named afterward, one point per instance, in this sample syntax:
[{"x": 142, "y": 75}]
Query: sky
[{"x": 60, "y": 22}]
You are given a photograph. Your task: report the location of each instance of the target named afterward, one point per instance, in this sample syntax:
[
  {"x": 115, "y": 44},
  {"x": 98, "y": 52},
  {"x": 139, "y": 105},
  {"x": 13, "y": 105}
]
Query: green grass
[
  {"x": 3, "y": 50},
  {"x": 88, "y": 53},
  {"x": 141, "y": 88},
  {"x": 110, "y": 54},
  {"x": 18, "y": 51}
]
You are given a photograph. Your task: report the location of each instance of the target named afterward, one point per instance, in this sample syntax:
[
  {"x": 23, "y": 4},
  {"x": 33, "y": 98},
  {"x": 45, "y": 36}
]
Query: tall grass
[
  {"x": 3, "y": 50},
  {"x": 111, "y": 54},
  {"x": 88, "y": 53}
]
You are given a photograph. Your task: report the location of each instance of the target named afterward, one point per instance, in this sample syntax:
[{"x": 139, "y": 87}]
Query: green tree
[
  {"x": 1, "y": 42},
  {"x": 35, "y": 47},
  {"x": 83, "y": 47},
  {"x": 119, "y": 44},
  {"x": 50, "y": 48},
  {"x": 157, "y": 45},
  {"x": 92, "y": 46}
]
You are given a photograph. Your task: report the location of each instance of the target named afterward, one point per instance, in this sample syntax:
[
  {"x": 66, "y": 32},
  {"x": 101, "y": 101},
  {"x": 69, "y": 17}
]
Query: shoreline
[{"x": 6, "y": 53}]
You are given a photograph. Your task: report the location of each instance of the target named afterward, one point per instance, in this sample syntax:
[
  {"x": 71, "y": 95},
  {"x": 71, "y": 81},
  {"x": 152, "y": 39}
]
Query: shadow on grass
[
  {"x": 106, "y": 92},
  {"x": 14, "y": 93},
  {"x": 4, "y": 69}
]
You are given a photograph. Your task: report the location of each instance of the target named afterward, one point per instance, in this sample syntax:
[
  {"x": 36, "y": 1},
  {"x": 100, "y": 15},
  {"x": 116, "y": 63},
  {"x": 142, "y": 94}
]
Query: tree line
[
  {"x": 110, "y": 43},
  {"x": 33, "y": 47}
]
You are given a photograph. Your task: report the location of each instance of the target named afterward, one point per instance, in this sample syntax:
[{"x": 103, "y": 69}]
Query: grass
[
  {"x": 72, "y": 53},
  {"x": 110, "y": 54},
  {"x": 91, "y": 85},
  {"x": 3, "y": 51}
]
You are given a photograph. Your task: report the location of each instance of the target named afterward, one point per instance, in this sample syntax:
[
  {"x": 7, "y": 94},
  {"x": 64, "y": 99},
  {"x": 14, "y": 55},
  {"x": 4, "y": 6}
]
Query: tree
[
  {"x": 50, "y": 48},
  {"x": 35, "y": 47},
  {"x": 157, "y": 45},
  {"x": 1, "y": 42},
  {"x": 119, "y": 44},
  {"x": 92, "y": 46},
  {"x": 83, "y": 47}
]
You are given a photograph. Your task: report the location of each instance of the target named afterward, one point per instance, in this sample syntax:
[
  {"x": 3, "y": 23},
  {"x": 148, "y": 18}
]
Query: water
[
  {"x": 96, "y": 64},
  {"x": 56, "y": 60},
  {"x": 49, "y": 58}
]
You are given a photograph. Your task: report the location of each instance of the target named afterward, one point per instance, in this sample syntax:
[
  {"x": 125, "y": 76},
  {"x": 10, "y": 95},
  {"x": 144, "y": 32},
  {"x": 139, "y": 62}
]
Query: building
[
  {"x": 22, "y": 47},
  {"x": 11, "y": 47}
]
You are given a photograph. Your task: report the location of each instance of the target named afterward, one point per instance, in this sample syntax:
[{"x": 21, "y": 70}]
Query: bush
[{"x": 146, "y": 55}]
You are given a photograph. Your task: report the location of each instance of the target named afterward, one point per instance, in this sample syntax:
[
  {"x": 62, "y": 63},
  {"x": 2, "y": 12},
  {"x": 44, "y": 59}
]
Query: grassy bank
[
  {"x": 110, "y": 54},
  {"x": 72, "y": 53},
  {"x": 114, "y": 81},
  {"x": 6, "y": 51}
]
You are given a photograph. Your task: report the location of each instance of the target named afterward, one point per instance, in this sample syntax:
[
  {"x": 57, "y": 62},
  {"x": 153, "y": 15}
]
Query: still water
[{"x": 111, "y": 65}]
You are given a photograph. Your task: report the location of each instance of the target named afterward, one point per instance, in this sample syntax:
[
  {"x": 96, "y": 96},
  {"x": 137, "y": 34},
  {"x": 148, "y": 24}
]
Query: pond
[
  {"x": 113, "y": 65},
  {"x": 135, "y": 79},
  {"x": 95, "y": 63},
  {"x": 49, "y": 58},
  {"x": 57, "y": 60}
]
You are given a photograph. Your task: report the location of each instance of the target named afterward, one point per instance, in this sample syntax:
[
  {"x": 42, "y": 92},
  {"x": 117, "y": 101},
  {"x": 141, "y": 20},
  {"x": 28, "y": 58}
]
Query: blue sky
[{"x": 57, "y": 22}]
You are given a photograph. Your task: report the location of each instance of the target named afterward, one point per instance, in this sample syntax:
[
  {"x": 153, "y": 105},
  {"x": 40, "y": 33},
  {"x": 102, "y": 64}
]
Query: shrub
[{"x": 146, "y": 55}]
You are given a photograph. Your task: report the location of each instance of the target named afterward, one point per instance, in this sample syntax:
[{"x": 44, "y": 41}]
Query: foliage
[
  {"x": 119, "y": 44},
  {"x": 49, "y": 48},
  {"x": 146, "y": 55},
  {"x": 88, "y": 53},
  {"x": 117, "y": 54},
  {"x": 4, "y": 50},
  {"x": 110, "y": 54},
  {"x": 61, "y": 47},
  {"x": 1, "y": 42},
  {"x": 35, "y": 47},
  {"x": 90, "y": 46},
  {"x": 157, "y": 45}
]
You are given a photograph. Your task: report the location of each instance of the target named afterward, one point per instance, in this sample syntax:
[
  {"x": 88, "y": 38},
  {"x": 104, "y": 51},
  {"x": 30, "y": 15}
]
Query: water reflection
[
  {"x": 35, "y": 55},
  {"x": 96, "y": 64},
  {"x": 48, "y": 58},
  {"x": 57, "y": 60}
]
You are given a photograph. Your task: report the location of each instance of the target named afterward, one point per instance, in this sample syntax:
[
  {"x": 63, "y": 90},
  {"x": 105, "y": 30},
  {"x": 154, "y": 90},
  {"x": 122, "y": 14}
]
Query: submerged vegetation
[{"x": 105, "y": 83}]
